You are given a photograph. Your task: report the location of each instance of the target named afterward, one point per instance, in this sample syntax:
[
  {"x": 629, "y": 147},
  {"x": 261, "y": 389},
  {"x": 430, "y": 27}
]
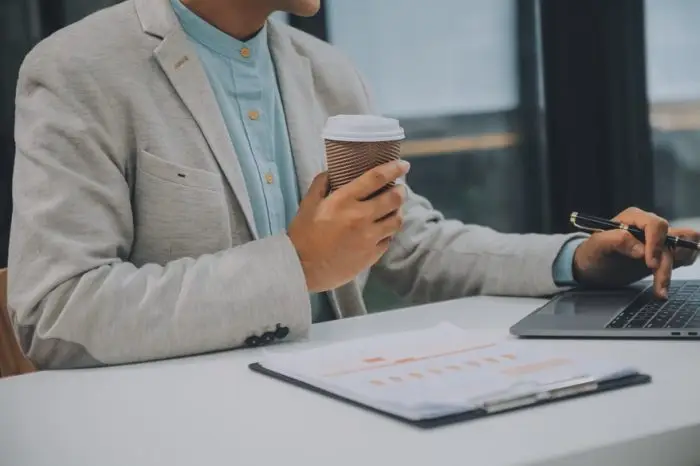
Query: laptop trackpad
[
  {"x": 578, "y": 311},
  {"x": 591, "y": 304}
]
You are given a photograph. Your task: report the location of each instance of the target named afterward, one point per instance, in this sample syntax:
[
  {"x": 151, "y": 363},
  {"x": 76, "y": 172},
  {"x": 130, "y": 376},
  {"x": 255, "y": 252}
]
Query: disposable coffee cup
[{"x": 358, "y": 143}]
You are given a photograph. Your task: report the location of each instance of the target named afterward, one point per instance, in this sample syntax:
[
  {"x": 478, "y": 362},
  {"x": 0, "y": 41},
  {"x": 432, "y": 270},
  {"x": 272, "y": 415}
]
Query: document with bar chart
[{"x": 443, "y": 372}]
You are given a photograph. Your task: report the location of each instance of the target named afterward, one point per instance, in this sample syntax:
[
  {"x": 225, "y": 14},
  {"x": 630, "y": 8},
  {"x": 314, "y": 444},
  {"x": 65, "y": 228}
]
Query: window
[
  {"x": 452, "y": 72},
  {"x": 673, "y": 75}
]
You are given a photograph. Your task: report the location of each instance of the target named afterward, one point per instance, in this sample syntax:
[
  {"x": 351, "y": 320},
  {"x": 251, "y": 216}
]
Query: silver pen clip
[{"x": 573, "y": 219}]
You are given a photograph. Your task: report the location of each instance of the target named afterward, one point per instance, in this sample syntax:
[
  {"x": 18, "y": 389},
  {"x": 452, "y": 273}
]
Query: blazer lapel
[
  {"x": 303, "y": 114},
  {"x": 178, "y": 59}
]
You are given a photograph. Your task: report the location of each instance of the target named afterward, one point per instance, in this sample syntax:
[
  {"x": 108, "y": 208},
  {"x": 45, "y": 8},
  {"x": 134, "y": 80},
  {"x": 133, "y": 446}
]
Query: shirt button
[
  {"x": 253, "y": 115},
  {"x": 245, "y": 52},
  {"x": 269, "y": 178}
]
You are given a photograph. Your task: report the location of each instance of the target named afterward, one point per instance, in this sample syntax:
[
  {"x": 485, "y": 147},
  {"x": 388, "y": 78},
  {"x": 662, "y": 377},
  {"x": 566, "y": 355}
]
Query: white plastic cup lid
[{"x": 362, "y": 128}]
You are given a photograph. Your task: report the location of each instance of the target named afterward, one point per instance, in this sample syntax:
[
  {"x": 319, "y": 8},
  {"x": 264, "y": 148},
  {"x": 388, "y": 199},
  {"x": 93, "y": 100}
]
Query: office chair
[{"x": 12, "y": 359}]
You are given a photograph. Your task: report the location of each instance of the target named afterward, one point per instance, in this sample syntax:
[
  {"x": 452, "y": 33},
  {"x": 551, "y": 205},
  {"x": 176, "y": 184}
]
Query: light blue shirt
[
  {"x": 243, "y": 78},
  {"x": 563, "y": 269}
]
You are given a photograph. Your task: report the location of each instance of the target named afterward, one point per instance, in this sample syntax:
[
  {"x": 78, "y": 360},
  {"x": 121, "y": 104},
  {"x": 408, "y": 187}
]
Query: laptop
[{"x": 631, "y": 312}]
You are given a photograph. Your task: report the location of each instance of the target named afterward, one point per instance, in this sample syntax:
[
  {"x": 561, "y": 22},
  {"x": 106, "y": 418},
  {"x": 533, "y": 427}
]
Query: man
[{"x": 163, "y": 147}]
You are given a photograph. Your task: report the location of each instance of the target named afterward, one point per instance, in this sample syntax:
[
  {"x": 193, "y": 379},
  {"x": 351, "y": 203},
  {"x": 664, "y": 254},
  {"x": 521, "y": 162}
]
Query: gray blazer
[{"x": 133, "y": 236}]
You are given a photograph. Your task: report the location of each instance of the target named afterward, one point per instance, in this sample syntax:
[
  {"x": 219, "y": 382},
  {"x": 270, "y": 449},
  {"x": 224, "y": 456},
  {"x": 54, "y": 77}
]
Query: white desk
[{"x": 212, "y": 411}]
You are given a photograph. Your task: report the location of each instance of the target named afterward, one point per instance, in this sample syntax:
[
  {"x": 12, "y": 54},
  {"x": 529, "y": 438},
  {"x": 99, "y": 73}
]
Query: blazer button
[
  {"x": 281, "y": 332},
  {"x": 253, "y": 341},
  {"x": 267, "y": 338}
]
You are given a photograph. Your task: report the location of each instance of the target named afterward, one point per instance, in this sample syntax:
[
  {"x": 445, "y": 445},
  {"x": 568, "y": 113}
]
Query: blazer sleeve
[
  {"x": 75, "y": 299},
  {"x": 434, "y": 258}
]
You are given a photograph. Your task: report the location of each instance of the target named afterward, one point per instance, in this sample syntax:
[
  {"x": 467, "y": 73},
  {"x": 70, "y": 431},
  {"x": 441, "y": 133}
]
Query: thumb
[
  {"x": 620, "y": 241},
  {"x": 318, "y": 189}
]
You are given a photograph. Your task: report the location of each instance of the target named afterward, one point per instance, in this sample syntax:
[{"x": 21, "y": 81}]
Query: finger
[
  {"x": 388, "y": 227},
  {"x": 375, "y": 179},
  {"x": 383, "y": 246},
  {"x": 655, "y": 231},
  {"x": 684, "y": 256},
  {"x": 662, "y": 275},
  {"x": 318, "y": 189},
  {"x": 685, "y": 233},
  {"x": 653, "y": 227},
  {"x": 388, "y": 202},
  {"x": 622, "y": 242}
]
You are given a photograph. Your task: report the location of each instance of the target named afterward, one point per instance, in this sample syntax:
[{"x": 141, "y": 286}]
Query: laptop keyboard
[{"x": 679, "y": 311}]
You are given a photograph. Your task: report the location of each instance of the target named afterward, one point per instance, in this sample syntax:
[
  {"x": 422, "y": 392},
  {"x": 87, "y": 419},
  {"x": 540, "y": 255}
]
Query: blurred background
[{"x": 517, "y": 111}]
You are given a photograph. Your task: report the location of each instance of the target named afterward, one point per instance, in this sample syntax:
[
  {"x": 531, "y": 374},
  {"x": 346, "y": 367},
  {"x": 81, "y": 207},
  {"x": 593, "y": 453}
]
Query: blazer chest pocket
[
  {"x": 178, "y": 211},
  {"x": 172, "y": 172}
]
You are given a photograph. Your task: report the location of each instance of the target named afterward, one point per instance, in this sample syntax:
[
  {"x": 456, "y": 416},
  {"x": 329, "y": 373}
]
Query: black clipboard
[{"x": 601, "y": 387}]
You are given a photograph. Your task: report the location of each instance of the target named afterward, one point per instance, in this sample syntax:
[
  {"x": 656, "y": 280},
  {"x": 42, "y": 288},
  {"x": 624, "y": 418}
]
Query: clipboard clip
[{"x": 556, "y": 390}]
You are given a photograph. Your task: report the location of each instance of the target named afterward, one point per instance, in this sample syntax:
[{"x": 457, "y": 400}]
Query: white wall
[{"x": 425, "y": 58}]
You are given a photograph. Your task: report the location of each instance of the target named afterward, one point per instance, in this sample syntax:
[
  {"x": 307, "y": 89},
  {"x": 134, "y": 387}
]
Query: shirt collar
[{"x": 217, "y": 40}]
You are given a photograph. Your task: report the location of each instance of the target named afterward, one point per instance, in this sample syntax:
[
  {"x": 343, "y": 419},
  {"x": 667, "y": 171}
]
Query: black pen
[{"x": 593, "y": 224}]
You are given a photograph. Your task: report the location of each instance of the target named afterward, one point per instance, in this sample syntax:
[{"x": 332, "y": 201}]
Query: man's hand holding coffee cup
[{"x": 340, "y": 235}]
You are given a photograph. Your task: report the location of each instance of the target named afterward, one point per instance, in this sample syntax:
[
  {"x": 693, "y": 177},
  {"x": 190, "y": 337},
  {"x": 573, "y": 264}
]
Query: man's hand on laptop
[{"x": 616, "y": 258}]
